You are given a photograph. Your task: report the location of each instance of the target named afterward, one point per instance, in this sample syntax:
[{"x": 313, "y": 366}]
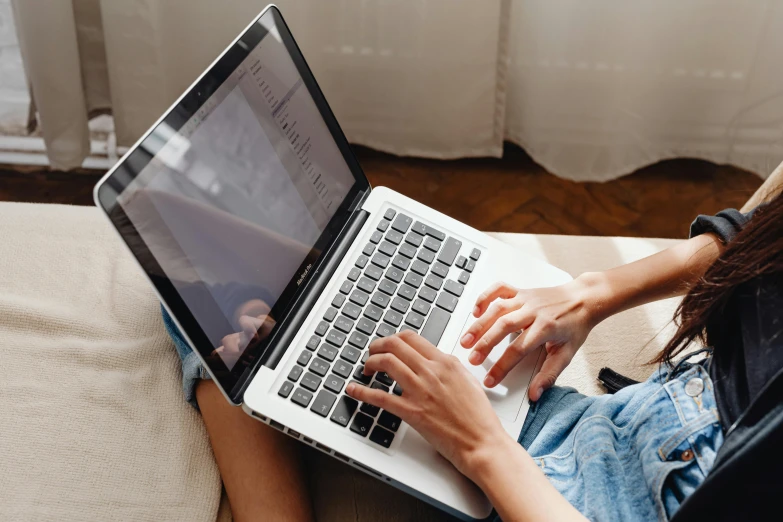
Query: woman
[{"x": 697, "y": 439}]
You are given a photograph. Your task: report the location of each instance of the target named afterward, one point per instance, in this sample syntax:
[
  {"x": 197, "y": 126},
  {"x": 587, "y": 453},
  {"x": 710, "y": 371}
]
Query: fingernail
[
  {"x": 474, "y": 357},
  {"x": 476, "y": 311},
  {"x": 467, "y": 339},
  {"x": 540, "y": 392},
  {"x": 489, "y": 381},
  {"x": 349, "y": 389}
]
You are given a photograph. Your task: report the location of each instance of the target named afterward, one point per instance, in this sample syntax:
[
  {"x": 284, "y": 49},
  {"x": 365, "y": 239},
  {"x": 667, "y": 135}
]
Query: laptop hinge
[{"x": 323, "y": 274}]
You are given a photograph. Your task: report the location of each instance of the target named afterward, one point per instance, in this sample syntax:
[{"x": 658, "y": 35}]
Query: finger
[
  {"x": 395, "y": 368},
  {"x": 398, "y": 346},
  {"x": 420, "y": 344},
  {"x": 503, "y": 327},
  {"x": 497, "y": 290},
  {"x": 553, "y": 366},
  {"x": 520, "y": 348},
  {"x": 384, "y": 400},
  {"x": 487, "y": 320}
]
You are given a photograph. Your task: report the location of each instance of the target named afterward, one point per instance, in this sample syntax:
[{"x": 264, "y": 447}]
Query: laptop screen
[{"x": 233, "y": 202}]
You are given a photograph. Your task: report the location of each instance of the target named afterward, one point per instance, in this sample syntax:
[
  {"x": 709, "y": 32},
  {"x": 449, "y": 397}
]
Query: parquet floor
[{"x": 512, "y": 194}]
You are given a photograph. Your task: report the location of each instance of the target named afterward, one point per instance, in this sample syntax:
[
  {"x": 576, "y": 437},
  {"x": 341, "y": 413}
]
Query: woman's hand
[
  {"x": 560, "y": 318},
  {"x": 441, "y": 400}
]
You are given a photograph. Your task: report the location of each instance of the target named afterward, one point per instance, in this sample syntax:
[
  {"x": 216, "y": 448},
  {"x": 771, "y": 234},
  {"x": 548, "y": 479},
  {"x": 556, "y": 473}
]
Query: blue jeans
[
  {"x": 192, "y": 368},
  {"x": 634, "y": 455}
]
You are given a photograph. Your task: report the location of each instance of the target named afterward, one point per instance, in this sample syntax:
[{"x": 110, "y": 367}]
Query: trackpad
[{"x": 507, "y": 397}]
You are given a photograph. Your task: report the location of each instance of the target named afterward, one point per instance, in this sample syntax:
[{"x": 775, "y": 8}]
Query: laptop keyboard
[{"x": 398, "y": 282}]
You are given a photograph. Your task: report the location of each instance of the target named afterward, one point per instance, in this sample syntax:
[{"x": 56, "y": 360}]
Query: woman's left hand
[{"x": 441, "y": 399}]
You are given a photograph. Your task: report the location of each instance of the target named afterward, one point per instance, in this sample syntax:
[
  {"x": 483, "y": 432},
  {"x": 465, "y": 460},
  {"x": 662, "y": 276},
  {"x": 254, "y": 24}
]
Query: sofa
[{"x": 93, "y": 424}]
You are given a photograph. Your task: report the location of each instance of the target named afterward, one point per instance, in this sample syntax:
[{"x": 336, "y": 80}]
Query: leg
[{"x": 261, "y": 468}]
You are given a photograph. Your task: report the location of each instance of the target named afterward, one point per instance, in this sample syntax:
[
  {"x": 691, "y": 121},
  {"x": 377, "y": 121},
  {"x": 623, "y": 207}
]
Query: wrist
[
  {"x": 595, "y": 293},
  {"x": 486, "y": 461}
]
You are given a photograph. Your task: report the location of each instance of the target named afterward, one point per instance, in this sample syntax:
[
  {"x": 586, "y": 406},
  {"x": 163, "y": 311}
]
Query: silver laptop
[{"x": 251, "y": 217}]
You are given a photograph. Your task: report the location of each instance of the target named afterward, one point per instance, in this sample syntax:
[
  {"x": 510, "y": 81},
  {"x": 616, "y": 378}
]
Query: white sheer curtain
[{"x": 592, "y": 89}]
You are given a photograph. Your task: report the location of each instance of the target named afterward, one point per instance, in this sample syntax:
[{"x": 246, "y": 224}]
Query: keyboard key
[
  {"x": 366, "y": 355},
  {"x": 361, "y": 424},
  {"x": 387, "y": 248},
  {"x": 389, "y": 421},
  {"x": 414, "y": 239},
  {"x": 394, "y": 237},
  {"x": 470, "y": 266},
  {"x": 397, "y": 389},
  {"x": 463, "y": 278},
  {"x": 440, "y": 270},
  {"x": 295, "y": 373},
  {"x": 384, "y": 330},
  {"x": 382, "y": 436},
  {"x": 285, "y": 389},
  {"x": 359, "y": 340},
  {"x": 447, "y": 301},
  {"x": 365, "y": 284},
  {"x": 368, "y": 249},
  {"x": 343, "y": 324},
  {"x": 421, "y": 306},
  {"x": 342, "y": 368},
  {"x": 414, "y": 280},
  {"x": 428, "y": 294},
  {"x": 376, "y": 237},
  {"x": 351, "y": 354},
  {"x": 321, "y": 329},
  {"x": 449, "y": 251},
  {"x": 432, "y": 244},
  {"x": 389, "y": 214},
  {"x": 338, "y": 300},
  {"x": 374, "y": 273},
  {"x": 433, "y": 281},
  {"x": 436, "y": 324},
  {"x": 395, "y": 274},
  {"x": 401, "y": 262},
  {"x": 400, "y": 305},
  {"x": 330, "y": 314},
  {"x": 453, "y": 287},
  {"x": 302, "y": 397},
  {"x": 304, "y": 358},
  {"x": 461, "y": 261},
  {"x": 369, "y": 409},
  {"x": 384, "y": 225},
  {"x": 358, "y": 374},
  {"x": 374, "y": 313},
  {"x": 319, "y": 366},
  {"x": 313, "y": 343},
  {"x": 387, "y": 287},
  {"x": 359, "y": 298},
  {"x": 378, "y": 386},
  {"x": 323, "y": 403},
  {"x": 334, "y": 384},
  {"x": 407, "y": 292},
  {"x": 361, "y": 261},
  {"x": 426, "y": 256},
  {"x": 365, "y": 326},
  {"x": 335, "y": 337},
  {"x": 310, "y": 381},
  {"x": 383, "y": 378},
  {"x": 391, "y": 317},
  {"x": 380, "y": 299},
  {"x": 475, "y": 254},
  {"x": 420, "y": 267},
  {"x": 345, "y": 408},
  {"x": 407, "y": 251},
  {"x": 352, "y": 311},
  {"x": 380, "y": 260},
  {"x": 414, "y": 320},
  {"x": 402, "y": 223},
  {"x": 327, "y": 352}
]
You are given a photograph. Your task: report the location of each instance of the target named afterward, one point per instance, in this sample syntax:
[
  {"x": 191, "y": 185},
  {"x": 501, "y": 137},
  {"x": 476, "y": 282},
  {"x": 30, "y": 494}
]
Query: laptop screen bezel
[{"x": 118, "y": 179}]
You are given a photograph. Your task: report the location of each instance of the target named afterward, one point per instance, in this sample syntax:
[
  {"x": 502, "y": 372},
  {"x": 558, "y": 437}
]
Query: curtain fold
[{"x": 592, "y": 89}]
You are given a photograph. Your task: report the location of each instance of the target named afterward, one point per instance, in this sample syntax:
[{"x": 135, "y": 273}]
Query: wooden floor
[{"x": 512, "y": 194}]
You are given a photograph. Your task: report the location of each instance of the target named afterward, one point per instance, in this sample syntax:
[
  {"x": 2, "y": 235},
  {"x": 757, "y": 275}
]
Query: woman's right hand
[{"x": 560, "y": 318}]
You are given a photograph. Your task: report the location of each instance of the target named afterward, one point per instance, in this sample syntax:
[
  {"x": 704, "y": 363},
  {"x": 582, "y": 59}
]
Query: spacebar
[{"x": 436, "y": 324}]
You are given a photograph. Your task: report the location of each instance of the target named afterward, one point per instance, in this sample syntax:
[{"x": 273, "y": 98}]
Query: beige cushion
[{"x": 94, "y": 425}]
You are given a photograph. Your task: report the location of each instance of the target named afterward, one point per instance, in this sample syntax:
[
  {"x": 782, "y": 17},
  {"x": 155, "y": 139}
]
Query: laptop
[{"x": 248, "y": 212}]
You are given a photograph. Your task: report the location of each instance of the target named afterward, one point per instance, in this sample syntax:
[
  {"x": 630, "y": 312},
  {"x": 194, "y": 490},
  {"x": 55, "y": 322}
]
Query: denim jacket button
[
  {"x": 687, "y": 455},
  {"x": 694, "y": 387}
]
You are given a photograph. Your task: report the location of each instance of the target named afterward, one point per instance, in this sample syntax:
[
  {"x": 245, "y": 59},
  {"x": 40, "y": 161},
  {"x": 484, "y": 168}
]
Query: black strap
[{"x": 613, "y": 381}]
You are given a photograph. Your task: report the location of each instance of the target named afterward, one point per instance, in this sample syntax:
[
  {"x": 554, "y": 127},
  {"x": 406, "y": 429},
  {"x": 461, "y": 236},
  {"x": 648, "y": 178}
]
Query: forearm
[
  {"x": 517, "y": 487},
  {"x": 666, "y": 274}
]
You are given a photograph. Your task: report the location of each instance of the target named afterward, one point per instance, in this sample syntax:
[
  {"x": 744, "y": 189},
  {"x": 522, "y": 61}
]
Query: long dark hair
[{"x": 756, "y": 251}]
